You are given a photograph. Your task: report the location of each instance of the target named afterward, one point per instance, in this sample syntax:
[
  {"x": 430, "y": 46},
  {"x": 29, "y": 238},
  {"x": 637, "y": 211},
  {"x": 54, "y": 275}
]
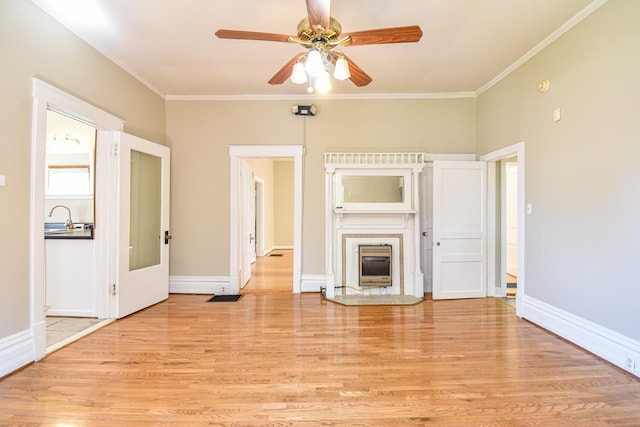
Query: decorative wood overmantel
[{"x": 353, "y": 220}]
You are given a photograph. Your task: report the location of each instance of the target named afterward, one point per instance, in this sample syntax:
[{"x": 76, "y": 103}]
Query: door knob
[
  {"x": 436, "y": 244},
  {"x": 424, "y": 233},
  {"x": 167, "y": 237}
]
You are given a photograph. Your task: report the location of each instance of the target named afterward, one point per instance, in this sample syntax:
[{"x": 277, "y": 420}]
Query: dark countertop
[{"x": 59, "y": 231}]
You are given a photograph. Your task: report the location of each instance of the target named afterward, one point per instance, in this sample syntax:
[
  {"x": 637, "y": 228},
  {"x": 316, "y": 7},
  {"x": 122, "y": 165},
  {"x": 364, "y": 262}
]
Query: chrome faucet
[{"x": 69, "y": 222}]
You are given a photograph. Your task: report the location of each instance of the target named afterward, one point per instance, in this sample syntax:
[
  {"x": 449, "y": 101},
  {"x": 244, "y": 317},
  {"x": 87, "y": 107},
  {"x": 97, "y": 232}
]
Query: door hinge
[
  {"x": 113, "y": 289},
  {"x": 114, "y": 150}
]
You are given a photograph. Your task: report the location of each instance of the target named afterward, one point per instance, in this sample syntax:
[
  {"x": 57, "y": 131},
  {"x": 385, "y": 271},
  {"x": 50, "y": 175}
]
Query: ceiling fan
[{"x": 321, "y": 34}]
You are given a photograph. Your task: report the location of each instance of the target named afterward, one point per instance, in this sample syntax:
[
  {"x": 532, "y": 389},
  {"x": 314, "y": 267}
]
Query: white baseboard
[
  {"x": 71, "y": 313},
  {"x": 198, "y": 284},
  {"x": 16, "y": 351},
  {"x": 281, "y": 248},
  {"x": 613, "y": 347},
  {"x": 312, "y": 282}
]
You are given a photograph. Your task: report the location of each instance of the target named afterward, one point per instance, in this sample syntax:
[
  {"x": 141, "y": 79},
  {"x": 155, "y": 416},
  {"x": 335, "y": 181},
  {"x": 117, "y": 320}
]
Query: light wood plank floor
[
  {"x": 271, "y": 274},
  {"x": 293, "y": 360}
]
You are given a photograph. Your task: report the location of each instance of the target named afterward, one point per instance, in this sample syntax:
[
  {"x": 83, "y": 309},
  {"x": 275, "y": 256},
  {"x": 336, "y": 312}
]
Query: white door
[
  {"x": 143, "y": 224},
  {"x": 459, "y": 229},
  {"x": 426, "y": 225},
  {"x": 248, "y": 221}
]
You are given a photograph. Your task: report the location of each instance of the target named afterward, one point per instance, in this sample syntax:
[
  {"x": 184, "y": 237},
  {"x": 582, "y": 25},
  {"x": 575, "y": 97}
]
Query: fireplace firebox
[{"x": 375, "y": 265}]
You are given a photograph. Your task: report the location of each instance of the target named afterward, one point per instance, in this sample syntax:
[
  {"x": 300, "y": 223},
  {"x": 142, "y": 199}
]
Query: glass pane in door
[{"x": 145, "y": 235}]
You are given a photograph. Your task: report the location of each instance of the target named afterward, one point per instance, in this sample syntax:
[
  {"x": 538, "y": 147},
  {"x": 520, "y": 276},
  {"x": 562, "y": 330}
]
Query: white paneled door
[
  {"x": 459, "y": 229},
  {"x": 248, "y": 222},
  {"x": 143, "y": 224}
]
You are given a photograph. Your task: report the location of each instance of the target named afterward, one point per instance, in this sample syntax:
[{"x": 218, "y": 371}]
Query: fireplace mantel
[{"x": 371, "y": 199}]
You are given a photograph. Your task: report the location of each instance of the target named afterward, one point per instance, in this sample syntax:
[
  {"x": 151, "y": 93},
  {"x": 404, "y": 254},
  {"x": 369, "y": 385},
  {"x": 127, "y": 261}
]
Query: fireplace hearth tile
[{"x": 358, "y": 300}]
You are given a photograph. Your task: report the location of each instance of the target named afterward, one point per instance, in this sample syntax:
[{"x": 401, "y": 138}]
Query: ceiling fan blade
[
  {"x": 285, "y": 72},
  {"x": 252, "y": 35},
  {"x": 318, "y": 12},
  {"x": 358, "y": 76},
  {"x": 409, "y": 34}
]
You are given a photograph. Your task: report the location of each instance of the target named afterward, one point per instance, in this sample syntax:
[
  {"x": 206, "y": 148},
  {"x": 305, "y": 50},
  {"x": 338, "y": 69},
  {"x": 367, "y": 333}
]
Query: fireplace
[
  {"x": 372, "y": 219},
  {"x": 375, "y": 265}
]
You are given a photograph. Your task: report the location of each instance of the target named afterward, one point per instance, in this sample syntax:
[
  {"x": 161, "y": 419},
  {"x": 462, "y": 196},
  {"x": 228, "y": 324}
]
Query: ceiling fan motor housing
[{"x": 305, "y": 30}]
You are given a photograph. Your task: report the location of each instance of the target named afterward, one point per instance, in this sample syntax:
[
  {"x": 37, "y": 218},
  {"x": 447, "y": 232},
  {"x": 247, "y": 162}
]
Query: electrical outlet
[{"x": 629, "y": 364}]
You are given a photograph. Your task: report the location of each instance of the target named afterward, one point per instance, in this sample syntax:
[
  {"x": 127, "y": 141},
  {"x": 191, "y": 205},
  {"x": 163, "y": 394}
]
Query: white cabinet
[{"x": 70, "y": 287}]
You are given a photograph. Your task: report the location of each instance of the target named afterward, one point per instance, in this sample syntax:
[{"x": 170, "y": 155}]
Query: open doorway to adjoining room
[
  {"x": 241, "y": 221},
  {"x": 269, "y": 201}
]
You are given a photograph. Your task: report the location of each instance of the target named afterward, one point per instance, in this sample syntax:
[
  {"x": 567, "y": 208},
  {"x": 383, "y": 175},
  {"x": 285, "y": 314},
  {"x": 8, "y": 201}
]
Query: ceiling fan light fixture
[
  {"x": 298, "y": 75},
  {"x": 314, "y": 64},
  {"x": 341, "y": 71},
  {"x": 323, "y": 82}
]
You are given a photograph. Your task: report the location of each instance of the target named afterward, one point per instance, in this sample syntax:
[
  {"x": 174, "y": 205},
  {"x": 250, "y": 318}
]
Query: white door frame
[
  {"x": 259, "y": 215},
  {"x": 492, "y": 159},
  {"x": 46, "y": 96},
  {"x": 237, "y": 153}
]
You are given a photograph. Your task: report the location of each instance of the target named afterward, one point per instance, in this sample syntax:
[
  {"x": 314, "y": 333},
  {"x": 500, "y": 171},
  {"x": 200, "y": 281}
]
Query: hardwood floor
[
  {"x": 275, "y": 358},
  {"x": 280, "y": 359},
  {"x": 271, "y": 274}
]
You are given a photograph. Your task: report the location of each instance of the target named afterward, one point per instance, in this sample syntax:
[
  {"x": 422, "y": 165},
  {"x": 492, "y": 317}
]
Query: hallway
[{"x": 271, "y": 274}]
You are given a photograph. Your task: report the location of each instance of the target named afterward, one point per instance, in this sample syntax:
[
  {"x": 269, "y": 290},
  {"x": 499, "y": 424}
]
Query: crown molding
[
  {"x": 294, "y": 97},
  {"x": 575, "y": 20}
]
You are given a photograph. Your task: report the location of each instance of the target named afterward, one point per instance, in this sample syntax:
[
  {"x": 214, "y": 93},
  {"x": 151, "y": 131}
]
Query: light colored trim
[
  {"x": 371, "y": 160},
  {"x": 71, "y": 313},
  {"x": 75, "y": 107},
  {"x": 304, "y": 97},
  {"x": 16, "y": 351},
  {"x": 237, "y": 153},
  {"x": 259, "y": 183},
  {"x": 198, "y": 284},
  {"x": 503, "y": 153},
  {"x": 575, "y": 20},
  {"x": 605, "y": 343},
  {"x": 47, "y": 96},
  {"x": 452, "y": 157},
  {"x": 282, "y": 247},
  {"x": 312, "y": 282}
]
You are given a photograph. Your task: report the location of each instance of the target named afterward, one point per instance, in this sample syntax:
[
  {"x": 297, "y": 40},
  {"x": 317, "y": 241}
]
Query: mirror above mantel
[
  {"x": 372, "y": 190},
  {"x": 373, "y": 182}
]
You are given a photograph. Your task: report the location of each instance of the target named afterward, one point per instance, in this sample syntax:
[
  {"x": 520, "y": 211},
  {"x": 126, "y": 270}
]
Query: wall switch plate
[
  {"x": 557, "y": 114},
  {"x": 2, "y": 181},
  {"x": 529, "y": 208}
]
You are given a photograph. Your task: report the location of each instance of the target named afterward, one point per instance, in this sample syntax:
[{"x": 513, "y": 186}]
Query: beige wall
[
  {"x": 582, "y": 174},
  {"x": 200, "y": 132},
  {"x": 283, "y": 203},
  {"x": 33, "y": 44}
]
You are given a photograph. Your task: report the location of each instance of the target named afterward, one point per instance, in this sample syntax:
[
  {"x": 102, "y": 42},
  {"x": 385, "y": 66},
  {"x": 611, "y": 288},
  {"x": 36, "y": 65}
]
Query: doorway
[
  {"x": 509, "y": 224},
  {"x": 238, "y": 206},
  {"x": 46, "y": 98},
  {"x": 497, "y": 221},
  {"x": 269, "y": 202}
]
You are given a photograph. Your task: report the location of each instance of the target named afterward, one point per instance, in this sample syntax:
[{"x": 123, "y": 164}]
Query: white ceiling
[{"x": 171, "y": 47}]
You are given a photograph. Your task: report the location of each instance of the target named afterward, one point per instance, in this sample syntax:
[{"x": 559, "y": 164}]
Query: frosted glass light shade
[
  {"x": 298, "y": 75},
  {"x": 323, "y": 82},
  {"x": 341, "y": 72},
  {"x": 314, "y": 65}
]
